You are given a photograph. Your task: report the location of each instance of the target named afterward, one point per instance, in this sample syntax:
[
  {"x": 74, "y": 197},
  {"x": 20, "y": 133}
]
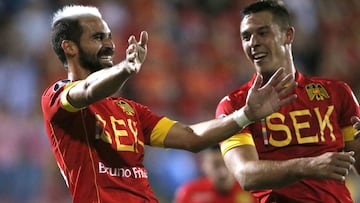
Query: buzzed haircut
[{"x": 276, "y": 8}]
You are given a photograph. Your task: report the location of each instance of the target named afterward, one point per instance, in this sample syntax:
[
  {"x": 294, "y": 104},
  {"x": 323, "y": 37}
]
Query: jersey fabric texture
[
  {"x": 202, "y": 190},
  {"x": 100, "y": 149},
  {"x": 318, "y": 121}
]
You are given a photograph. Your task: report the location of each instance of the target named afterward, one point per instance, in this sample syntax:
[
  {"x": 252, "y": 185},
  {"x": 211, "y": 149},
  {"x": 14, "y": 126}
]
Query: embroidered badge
[
  {"x": 126, "y": 107},
  {"x": 316, "y": 91}
]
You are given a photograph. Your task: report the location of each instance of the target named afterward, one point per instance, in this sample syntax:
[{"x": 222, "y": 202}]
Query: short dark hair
[
  {"x": 65, "y": 29},
  {"x": 277, "y": 9}
]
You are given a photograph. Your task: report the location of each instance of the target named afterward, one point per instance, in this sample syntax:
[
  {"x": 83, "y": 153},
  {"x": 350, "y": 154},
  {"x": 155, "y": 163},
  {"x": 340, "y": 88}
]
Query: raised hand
[
  {"x": 136, "y": 52},
  {"x": 265, "y": 100}
]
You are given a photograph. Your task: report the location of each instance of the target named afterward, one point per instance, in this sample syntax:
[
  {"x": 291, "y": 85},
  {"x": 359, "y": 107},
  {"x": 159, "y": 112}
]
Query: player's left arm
[
  {"x": 350, "y": 122},
  {"x": 354, "y": 145}
]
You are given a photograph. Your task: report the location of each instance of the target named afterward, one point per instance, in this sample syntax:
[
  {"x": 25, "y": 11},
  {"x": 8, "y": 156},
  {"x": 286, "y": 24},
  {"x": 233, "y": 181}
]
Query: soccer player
[
  {"x": 216, "y": 185},
  {"x": 98, "y": 139},
  {"x": 304, "y": 151}
]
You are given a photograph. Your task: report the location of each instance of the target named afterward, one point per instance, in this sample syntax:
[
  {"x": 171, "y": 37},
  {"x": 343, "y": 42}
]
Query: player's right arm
[
  {"x": 107, "y": 81},
  {"x": 255, "y": 174}
]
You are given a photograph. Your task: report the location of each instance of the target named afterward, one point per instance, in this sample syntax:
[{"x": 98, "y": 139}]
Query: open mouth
[
  {"x": 106, "y": 60},
  {"x": 259, "y": 56},
  {"x": 106, "y": 57}
]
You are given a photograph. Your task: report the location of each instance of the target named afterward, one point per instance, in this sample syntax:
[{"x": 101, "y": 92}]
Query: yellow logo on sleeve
[{"x": 316, "y": 91}]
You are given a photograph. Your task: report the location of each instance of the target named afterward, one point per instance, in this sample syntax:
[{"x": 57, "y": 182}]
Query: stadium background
[{"x": 195, "y": 57}]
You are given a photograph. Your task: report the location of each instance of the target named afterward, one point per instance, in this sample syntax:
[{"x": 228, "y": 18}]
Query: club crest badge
[
  {"x": 316, "y": 91},
  {"x": 126, "y": 107}
]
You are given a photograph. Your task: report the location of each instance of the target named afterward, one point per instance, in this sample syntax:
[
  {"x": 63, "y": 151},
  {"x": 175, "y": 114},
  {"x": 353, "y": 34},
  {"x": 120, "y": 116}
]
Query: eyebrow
[
  {"x": 257, "y": 29},
  {"x": 101, "y": 33}
]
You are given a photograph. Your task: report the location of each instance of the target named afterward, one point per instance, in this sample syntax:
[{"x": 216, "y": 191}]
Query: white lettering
[
  {"x": 133, "y": 172},
  {"x": 139, "y": 172}
]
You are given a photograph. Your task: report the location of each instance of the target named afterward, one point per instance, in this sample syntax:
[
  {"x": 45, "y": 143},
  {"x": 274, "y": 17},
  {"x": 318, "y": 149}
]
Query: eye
[
  {"x": 263, "y": 33},
  {"x": 99, "y": 36},
  {"x": 245, "y": 36}
]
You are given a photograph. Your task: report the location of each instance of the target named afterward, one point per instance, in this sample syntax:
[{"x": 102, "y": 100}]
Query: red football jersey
[
  {"x": 318, "y": 121},
  {"x": 100, "y": 149},
  {"x": 203, "y": 191}
]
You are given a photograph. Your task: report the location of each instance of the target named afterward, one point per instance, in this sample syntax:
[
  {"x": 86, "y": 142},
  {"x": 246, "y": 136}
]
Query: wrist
[
  {"x": 240, "y": 117},
  {"x": 125, "y": 67}
]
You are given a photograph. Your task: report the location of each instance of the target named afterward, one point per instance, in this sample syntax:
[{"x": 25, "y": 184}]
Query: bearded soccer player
[
  {"x": 304, "y": 151},
  {"x": 98, "y": 139}
]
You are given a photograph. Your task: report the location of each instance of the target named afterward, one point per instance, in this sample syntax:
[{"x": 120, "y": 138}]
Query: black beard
[
  {"x": 91, "y": 63},
  {"x": 87, "y": 62}
]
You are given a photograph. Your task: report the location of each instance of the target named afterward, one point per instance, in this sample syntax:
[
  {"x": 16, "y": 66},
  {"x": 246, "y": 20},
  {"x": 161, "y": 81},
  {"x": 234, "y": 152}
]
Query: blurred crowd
[{"x": 195, "y": 58}]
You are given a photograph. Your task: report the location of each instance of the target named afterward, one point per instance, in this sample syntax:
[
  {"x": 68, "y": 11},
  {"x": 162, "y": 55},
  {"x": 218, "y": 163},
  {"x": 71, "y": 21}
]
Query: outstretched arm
[
  {"x": 261, "y": 102},
  {"x": 107, "y": 81}
]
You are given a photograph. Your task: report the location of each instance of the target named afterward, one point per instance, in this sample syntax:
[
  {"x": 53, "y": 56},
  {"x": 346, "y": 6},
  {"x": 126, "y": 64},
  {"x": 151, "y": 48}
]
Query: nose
[
  {"x": 109, "y": 43},
  {"x": 253, "y": 40}
]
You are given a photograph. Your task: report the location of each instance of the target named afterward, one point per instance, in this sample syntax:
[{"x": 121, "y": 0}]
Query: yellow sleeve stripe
[
  {"x": 348, "y": 133},
  {"x": 235, "y": 141},
  {"x": 64, "y": 101},
  {"x": 160, "y": 131}
]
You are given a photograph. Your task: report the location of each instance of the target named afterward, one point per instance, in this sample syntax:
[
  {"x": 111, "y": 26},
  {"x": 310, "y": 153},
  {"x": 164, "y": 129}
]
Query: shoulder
[
  {"x": 324, "y": 81},
  {"x": 60, "y": 83},
  {"x": 56, "y": 86},
  {"x": 233, "y": 100},
  {"x": 332, "y": 85}
]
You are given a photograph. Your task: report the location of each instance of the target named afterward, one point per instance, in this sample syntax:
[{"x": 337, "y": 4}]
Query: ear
[
  {"x": 69, "y": 47},
  {"x": 290, "y": 35}
]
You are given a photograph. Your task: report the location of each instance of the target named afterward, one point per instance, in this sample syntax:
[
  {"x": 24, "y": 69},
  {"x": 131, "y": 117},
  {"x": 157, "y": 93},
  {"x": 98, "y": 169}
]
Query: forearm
[
  {"x": 255, "y": 174},
  {"x": 211, "y": 132},
  {"x": 99, "y": 85},
  {"x": 264, "y": 174},
  {"x": 108, "y": 81},
  {"x": 199, "y": 136},
  {"x": 214, "y": 131}
]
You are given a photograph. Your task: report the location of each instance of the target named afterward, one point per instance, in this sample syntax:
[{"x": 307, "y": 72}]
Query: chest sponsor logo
[{"x": 324, "y": 133}]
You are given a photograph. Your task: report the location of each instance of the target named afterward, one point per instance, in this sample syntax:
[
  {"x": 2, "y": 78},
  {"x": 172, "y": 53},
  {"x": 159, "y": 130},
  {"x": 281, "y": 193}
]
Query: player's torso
[
  {"x": 106, "y": 156},
  {"x": 308, "y": 126},
  {"x": 117, "y": 134},
  {"x": 306, "y": 123}
]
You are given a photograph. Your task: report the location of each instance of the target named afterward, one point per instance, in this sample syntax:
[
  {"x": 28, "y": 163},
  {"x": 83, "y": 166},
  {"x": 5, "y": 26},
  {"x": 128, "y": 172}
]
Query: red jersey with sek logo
[
  {"x": 100, "y": 149},
  {"x": 318, "y": 121}
]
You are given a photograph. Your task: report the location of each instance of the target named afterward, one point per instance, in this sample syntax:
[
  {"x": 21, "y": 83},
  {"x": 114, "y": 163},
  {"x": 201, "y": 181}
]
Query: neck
[
  {"x": 77, "y": 73},
  {"x": 288, "y": 64}
]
